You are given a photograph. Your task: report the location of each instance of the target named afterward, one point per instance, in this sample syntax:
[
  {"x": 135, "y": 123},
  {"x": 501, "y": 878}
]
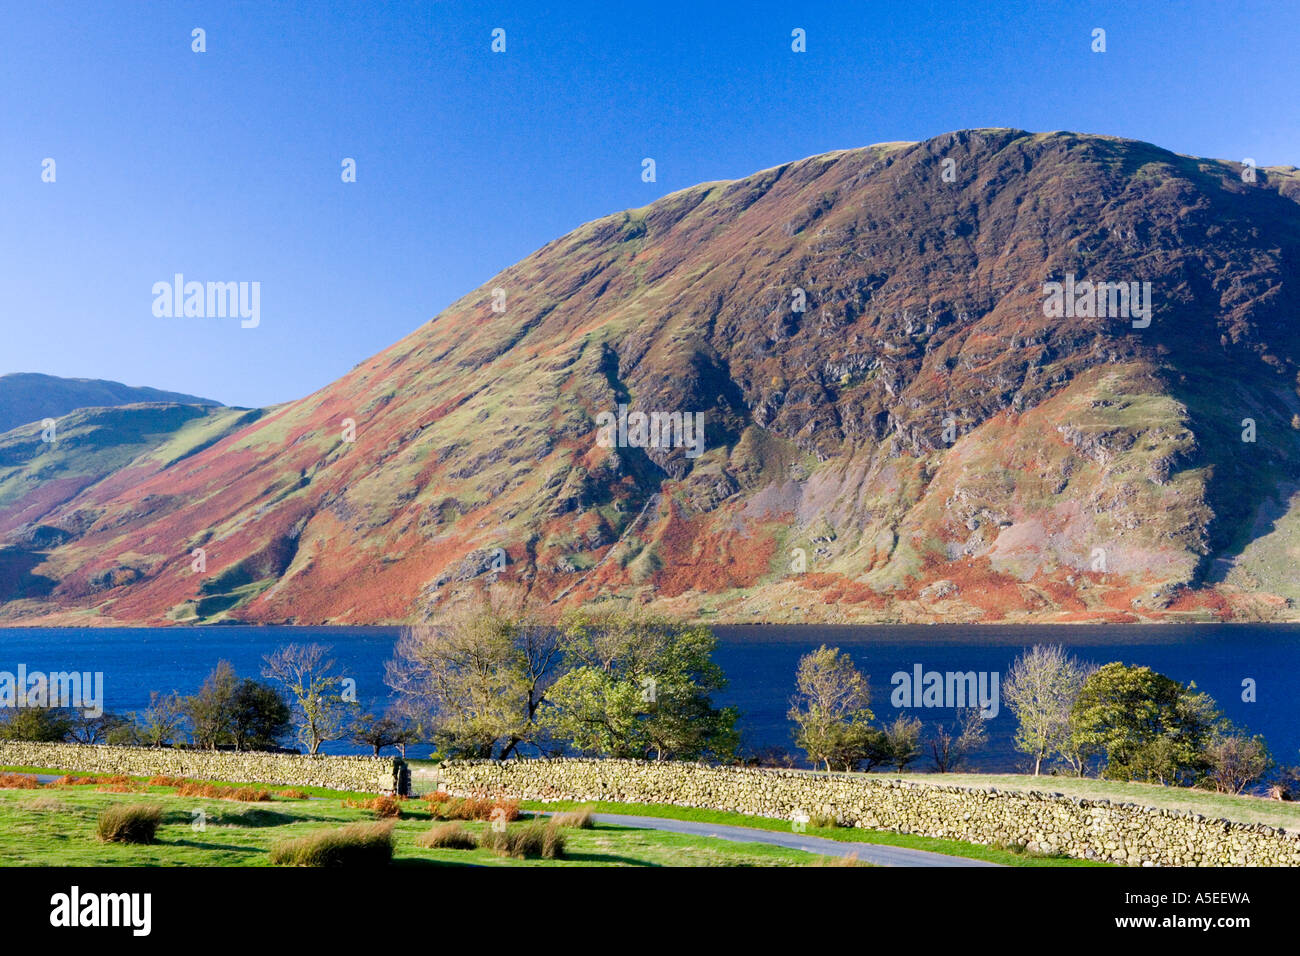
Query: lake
[{"x": 760, "y": 661}]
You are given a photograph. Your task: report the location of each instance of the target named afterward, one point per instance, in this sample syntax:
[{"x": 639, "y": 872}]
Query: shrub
[
  {"x": 118, "y": 783},
  {"x": 160, "y": 780},
  {"x": 196, "y": 788},
  {"x": 823, "y": 820},
  {"x": 383, "y": 807},
  {"x": 462, "y": 808},
  {"x": 293, "y": 794},
  {"x": 71, "y": 780},
  {"x": 448, "y": 836},
  {"x": 475, "y": 808},
  {"x": 18, "y": 781},
  {"x": 129, "y": 823},
  {"x": 248, "y": 794},
  {"x": 439, "y": 796},
  {"x": 535, "y": 840},
  {"x": 583, "y": 818},
  {"x": 358, "y": 844}
]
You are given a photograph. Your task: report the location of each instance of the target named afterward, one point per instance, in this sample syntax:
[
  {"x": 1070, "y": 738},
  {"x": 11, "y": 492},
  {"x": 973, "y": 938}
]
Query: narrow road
[{"x": 866, "y": 852}]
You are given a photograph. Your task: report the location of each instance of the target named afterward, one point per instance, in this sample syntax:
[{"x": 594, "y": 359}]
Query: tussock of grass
[
  {"x": 538, "y": 840},
  {"x": 43, "y": 804},
  {"x": 355, "y": 845},
  {"x": 129, "y": 823},
  {"x": 583, "y": 818},
  {"x": 850, "y": 859},
  {"x": 447, "y": 836}
]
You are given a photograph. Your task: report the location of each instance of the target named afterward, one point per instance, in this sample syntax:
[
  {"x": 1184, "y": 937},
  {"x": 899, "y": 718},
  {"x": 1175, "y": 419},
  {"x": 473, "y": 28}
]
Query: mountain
[
  {"x": 935, "y": 437},
  {"x": 28, "y": 397}
]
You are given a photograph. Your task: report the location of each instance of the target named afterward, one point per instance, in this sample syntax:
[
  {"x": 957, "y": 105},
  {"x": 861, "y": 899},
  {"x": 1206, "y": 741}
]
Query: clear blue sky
[{"x": 225, "y": 165}]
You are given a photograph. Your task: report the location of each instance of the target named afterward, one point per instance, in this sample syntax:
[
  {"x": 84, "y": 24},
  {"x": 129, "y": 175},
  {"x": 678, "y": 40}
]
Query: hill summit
[{"x": 899, "y": 418}]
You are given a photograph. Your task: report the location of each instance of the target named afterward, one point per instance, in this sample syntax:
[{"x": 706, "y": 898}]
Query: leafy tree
[
  {"x": 1146, "y": 725},
  {"x": 211, "y": 711},
  {"x": 320, "y": 711},
  {"x": 259, "y": 716},
  {"x": 638, "y": 685},
  {"x": 1040, "y": 689},
  {"x": 36, "y": 724},
  {"x": 903, "y": 741},
  {"x": 479, "y": 676},
  {"x": 832, "y": 713}
]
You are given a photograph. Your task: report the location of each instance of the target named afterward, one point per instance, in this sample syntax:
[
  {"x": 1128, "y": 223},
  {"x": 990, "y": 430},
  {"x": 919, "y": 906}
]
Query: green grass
[
  {"x": 57, "y": 827},
  {"x": 973, "y": 851}
]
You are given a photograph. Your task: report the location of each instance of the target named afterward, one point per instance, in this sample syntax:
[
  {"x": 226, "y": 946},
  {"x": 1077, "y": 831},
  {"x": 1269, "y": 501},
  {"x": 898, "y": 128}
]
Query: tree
[
  {"x": 831, "y": 711},
  {"x": 36, "y": 724},
  {"x": 903, "y": 741},
  {"x": 320, "y": 713},
  {"x": 950, "y": 747},
  {"x": 1040, "y": 688},
  {"x": 376, "y": 732},
  {"x": 1237, "y": 761},
  {"x": 83, "y": 729},
  {"x": 410, "y": 722},
  {"x": 259, "y": 716},
  {"x": 159, "y": 724},
  {"x": 1147, "y": 726},
  {"x": 638, "y": 685},
  {"x": 211, "y": 711},
  {"x": 479, "y": 677}
]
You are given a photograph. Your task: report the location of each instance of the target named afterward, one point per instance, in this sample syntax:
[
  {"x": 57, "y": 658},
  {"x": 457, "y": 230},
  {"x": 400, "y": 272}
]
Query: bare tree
[
  {"x": 308, "y": 673},
  {"x": 950, "y": 747},
  {"x": 160, "y": 723},
  {"x": 1237, "y": 761},
  {"x": 1040, "y": 688}
]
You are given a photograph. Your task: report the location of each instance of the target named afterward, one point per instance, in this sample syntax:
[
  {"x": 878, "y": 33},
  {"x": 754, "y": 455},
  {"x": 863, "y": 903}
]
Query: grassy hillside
[
  {"x": 922, "y": 442},
  {"x": 27, "y": 397}
]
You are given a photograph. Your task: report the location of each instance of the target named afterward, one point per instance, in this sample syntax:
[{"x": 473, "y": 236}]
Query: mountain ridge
[
  {"x": 922, "y": 443},
  {"x": 27, "y": 397}
]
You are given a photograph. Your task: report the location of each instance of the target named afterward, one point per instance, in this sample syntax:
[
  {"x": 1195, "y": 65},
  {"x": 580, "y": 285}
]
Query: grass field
[
  {"x": 56, "y": 827},
  {"x": 241, "y": 834}
]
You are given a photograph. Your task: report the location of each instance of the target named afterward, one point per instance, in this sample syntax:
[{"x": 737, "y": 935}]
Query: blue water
[{"x": 759, "y": 660}]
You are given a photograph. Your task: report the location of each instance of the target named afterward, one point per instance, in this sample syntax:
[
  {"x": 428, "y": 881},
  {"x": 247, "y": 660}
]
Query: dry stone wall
[
  {"x": 1040, "y": 821},
  {"x": 367, "y": 774}
]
